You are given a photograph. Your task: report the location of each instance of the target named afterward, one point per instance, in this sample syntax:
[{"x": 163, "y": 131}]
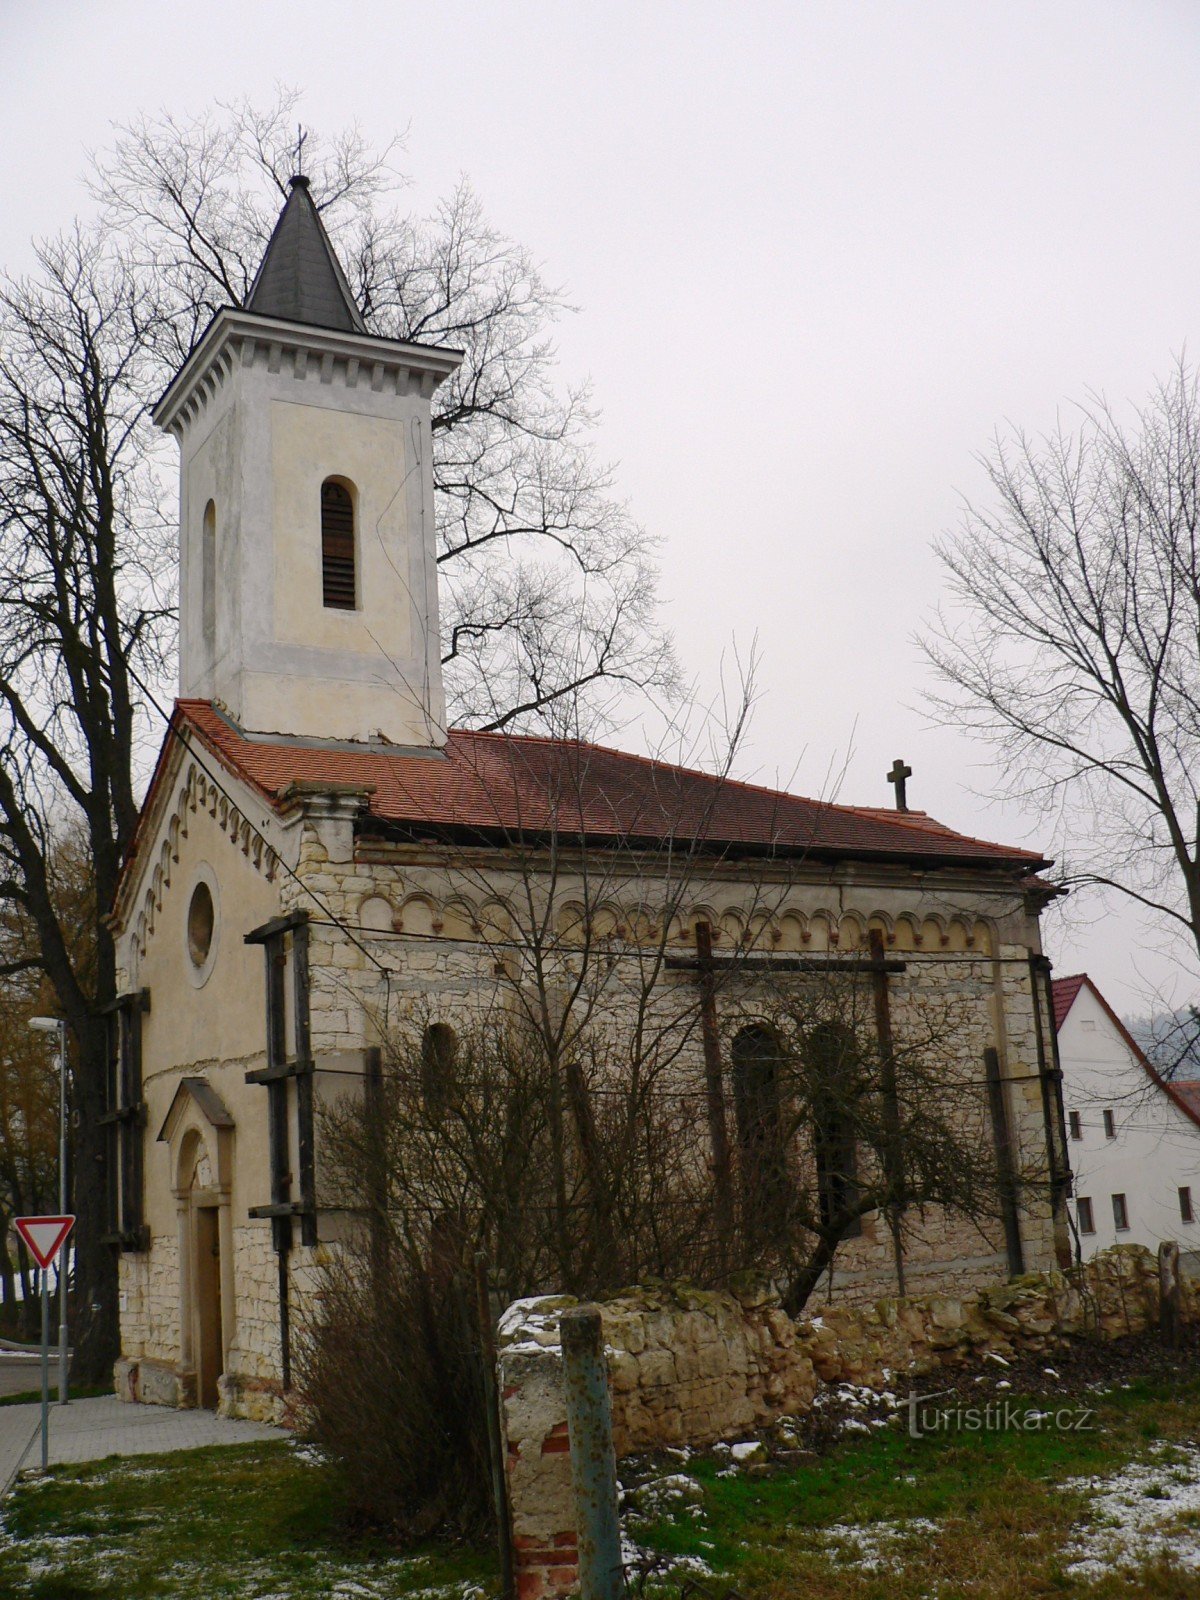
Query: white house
[{"x": 1133, "y": 1137}]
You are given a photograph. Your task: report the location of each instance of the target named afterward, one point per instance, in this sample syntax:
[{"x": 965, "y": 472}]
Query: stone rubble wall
[{"x": 690, "y": 1367}]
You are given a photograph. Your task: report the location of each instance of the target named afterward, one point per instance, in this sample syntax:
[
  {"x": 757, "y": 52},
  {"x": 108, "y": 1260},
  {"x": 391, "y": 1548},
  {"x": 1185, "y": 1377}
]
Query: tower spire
[{"x": 300, "y": 278}]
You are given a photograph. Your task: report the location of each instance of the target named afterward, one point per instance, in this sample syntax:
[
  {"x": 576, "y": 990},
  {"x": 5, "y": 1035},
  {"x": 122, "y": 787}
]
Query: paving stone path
[{"x": 89, "y": 1430}]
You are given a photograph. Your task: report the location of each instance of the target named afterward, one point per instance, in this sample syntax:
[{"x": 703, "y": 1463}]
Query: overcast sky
[{"x": 820, "y": 252}]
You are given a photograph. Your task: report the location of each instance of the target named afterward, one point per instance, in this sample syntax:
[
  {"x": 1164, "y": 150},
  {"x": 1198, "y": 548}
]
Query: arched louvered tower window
[{"x": 339, "y": 581}]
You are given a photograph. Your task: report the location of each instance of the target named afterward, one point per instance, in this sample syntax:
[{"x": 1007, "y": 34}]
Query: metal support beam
[
  {"x": 894, "y": 1157},
  {"x": 1005, "y": 1171},
  {"x": 279, "y": 1069},
  {"x": 714, "y": 1082}
]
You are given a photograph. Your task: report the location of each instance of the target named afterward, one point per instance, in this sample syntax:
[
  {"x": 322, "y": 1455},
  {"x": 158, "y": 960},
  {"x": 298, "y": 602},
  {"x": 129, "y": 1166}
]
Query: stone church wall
[
  {"x": 446, "y": 946},
  {"x": 691, "y": 1368},
  {"x": 449, "y": 947}
]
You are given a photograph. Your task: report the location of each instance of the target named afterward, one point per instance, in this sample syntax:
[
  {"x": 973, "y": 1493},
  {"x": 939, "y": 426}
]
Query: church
[{"x": 319, "y": 856}]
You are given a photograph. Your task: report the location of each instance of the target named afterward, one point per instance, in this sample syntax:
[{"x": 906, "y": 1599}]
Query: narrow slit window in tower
[
  {"x": 338, "y": 579},
  {"x": 208, "y": 579}
]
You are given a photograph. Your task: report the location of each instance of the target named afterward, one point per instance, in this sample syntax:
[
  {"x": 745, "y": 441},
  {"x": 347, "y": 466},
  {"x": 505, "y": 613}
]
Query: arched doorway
[
  {"x": 205, "y": 1310},
  {"x": 199, "y": 1131}
]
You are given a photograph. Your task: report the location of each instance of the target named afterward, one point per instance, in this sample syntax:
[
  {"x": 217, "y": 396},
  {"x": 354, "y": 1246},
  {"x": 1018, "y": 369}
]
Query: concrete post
[{"x": 593, "y": 1460}]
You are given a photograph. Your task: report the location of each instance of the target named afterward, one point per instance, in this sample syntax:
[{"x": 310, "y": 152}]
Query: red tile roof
[
  {"x": 1065, "y": 992},
  {"x": 500, "y": 783}
]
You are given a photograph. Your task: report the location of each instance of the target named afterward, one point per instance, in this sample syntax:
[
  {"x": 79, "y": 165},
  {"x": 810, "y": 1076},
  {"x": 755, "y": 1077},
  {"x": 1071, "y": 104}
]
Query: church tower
[{"x": 308, "y": 593}]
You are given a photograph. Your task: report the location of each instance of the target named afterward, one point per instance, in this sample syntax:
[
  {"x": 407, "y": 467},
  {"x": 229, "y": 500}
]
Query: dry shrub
[
  {"x": 581, "y": 1167},
  {"x": 389, "y": 1377}
]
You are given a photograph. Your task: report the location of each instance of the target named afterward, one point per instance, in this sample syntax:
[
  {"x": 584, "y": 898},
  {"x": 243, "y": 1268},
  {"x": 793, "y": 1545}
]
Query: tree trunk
[
  {"x": 95, "y": 1337},
  {"x": 27, "y": 1320},
  {"x": 8, "y": 1284}
]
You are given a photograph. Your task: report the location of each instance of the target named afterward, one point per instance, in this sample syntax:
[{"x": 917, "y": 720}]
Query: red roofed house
[
  {"x": 1134, "y": 1137},
  {"x": 319, "y": 857}
]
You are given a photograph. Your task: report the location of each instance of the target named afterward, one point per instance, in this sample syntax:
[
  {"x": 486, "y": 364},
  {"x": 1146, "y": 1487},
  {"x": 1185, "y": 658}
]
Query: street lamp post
[{"x": 58, "y": 1027}]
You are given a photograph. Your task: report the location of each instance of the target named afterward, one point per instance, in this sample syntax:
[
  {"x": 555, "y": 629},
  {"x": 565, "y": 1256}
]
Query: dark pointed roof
[{"x": 301, "y": 279}]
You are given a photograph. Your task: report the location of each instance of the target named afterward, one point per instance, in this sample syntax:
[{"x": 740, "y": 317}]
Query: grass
[
  {"x": 243, "y": 1521},
  {"x": 888, "y": 1517},
  {"x": 881, "y": 1516}
]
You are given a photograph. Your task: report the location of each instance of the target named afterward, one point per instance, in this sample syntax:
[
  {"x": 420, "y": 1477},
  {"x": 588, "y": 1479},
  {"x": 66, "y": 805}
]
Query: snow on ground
[
  {"x": 884, "y": 1546},
  {"x": 1147, "y": 1510}
]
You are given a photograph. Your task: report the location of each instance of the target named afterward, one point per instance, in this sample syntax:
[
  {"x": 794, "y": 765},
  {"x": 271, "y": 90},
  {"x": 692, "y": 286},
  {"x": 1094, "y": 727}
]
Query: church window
[
  {"x": 339, "y": 583},
  {"x": 757, "y": 1070},
  {"x": 439, "y": 1056},
  {"x": 832, "y": 1064},
  {"x": 208, "y": 578},
  {"x": 201, "y": 920}
]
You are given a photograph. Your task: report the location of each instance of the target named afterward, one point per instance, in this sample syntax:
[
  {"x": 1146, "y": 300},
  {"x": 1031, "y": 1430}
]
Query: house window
[
  {"x": 1120, "y": 1213},
  {"x": 1076, "y": 1125},
  {"x": 339, "y": 584},
  {"x": 1083, "y": 1210},
  {"x": 1185, "y": 1206},
  {"x": 1110, "y": 1125}
]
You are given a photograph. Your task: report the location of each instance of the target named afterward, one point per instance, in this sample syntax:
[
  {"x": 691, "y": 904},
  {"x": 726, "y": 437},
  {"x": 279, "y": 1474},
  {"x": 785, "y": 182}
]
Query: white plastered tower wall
[
  {"x": 265, "y": 411},
  {"x": 1155, "y": 1148}
]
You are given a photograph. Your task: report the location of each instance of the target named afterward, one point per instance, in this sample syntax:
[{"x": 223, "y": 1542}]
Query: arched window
[
  {"x": 757, "y": 1063},
  {"x": 208, "y": 578},
  {"x": 339, "y": 583},
  {"x": 439, "y": 1056},
  {"x": 832, "y": 1058}
]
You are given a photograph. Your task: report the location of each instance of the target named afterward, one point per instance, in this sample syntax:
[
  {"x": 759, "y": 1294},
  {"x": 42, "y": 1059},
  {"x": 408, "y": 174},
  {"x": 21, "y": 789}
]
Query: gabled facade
[{"x": 1133, "y": 1137}]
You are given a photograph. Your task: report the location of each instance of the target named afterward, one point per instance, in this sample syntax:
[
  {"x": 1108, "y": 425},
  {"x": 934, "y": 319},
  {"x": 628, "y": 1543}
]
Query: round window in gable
[{"x": 201, "y": 922}]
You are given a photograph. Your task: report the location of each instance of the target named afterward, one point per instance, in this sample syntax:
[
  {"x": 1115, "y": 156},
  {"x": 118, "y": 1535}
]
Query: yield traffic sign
[{"x": 44, "y": 1236}]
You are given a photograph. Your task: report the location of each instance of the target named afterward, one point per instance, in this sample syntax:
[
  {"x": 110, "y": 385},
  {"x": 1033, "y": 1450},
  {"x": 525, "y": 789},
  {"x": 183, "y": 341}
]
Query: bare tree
[
  {"x": 1077, "y": 654},
  {"x": 559, "y": 1132},
  {"x": 546, "y": 581},
  {"x": 87, "y": 610}
]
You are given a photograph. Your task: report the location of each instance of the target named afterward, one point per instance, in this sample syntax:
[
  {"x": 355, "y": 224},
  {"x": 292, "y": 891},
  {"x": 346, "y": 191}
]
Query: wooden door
[{"x": 209, "y": 1355}]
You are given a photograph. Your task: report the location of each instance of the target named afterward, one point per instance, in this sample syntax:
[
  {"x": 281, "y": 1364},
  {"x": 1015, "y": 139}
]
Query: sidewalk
[{"x": 88, "y": 1430}]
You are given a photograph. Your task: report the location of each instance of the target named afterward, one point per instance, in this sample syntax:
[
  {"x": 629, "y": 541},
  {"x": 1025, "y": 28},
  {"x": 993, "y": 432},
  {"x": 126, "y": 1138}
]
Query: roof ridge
[
  {"x": 893, "y": 817},
  {"x": 615, "y": 786}
]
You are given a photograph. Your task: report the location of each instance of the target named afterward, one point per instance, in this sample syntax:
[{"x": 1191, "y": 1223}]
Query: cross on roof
[{"x": 897, "y": 777}]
